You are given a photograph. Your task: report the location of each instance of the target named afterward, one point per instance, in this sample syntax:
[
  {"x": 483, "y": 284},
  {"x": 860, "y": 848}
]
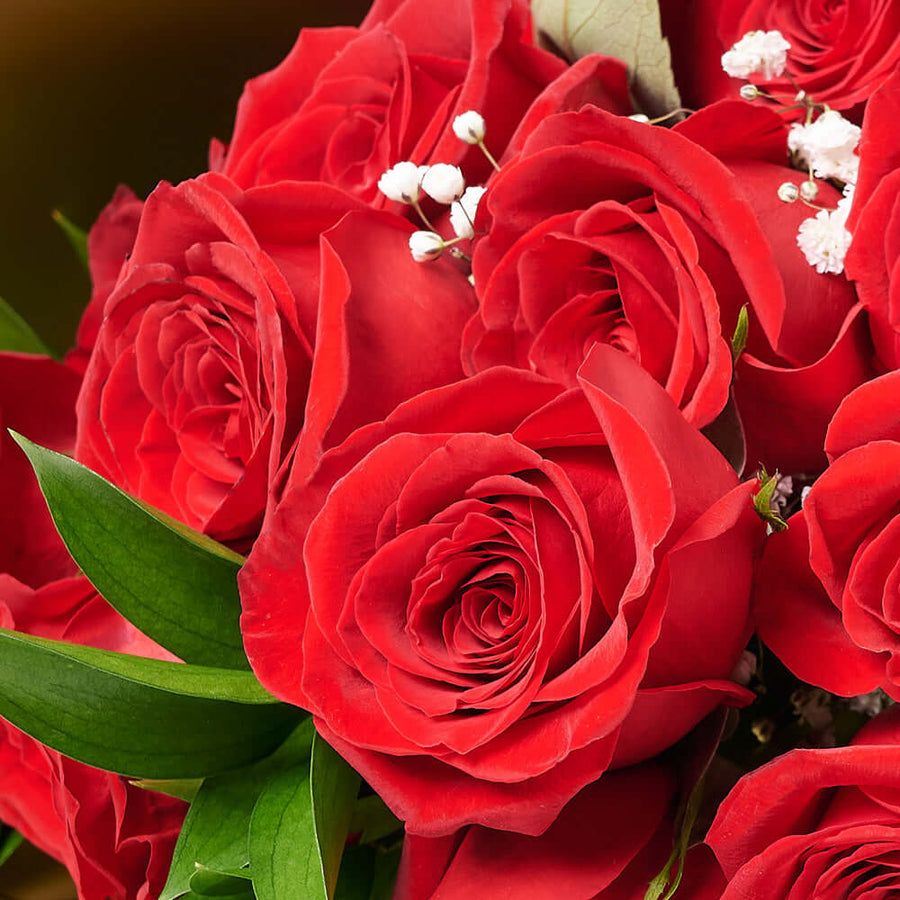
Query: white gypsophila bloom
[
  {"x": 425, "y": 245},
  {"x": 469, "y": 127},
  {"x": 825, "y": 241},
  {"x": 462, "y": 212},
  {"x": 444, "y": 183},
  {"x": 757, "y": 51},
  {"x": 402, "y": 182},
  {"x": 804, "y": 493},
  {"x": 827, "y": 146}
]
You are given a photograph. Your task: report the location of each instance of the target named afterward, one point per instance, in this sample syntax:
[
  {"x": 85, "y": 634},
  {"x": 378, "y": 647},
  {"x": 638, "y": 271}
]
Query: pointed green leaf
[
  {"x": 16, "y": 335},
  {"x": 299, "y": 828},
  {"x": 627, "y": 29},
  {"x": 177, "y": 586},
  {"x": 141, "y": 717},
  {"x": 215, "y": 830},
  {"x": 739, "y": 338},
  {"x": 10, "y": 841},
  {"x": 77, "y": 236},
  {"x": 182, "y": 788}
]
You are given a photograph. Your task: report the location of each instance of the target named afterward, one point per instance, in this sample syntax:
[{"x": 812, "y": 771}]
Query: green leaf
[
  {"x": 373, "y": 819},
  {"x": 182, "y": 788},
  {"x": 177, "y": 586},
  {"x": 215, "y": 830},
  {"x": 208, "y": 882},
  {"x": 141, "y": 717},
  {"x": 77, "y": 236},
  {"x": 627, "y": 29},
  {"x": 299, "y": 828},
  {"x": 16, "y": 335},
  {"x": 739, "y": 338},
  {"x": 10, "y": 841}
]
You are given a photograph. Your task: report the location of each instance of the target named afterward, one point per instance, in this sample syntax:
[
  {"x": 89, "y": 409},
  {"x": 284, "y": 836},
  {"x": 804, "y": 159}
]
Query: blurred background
[{"x": 94, "y": 93}]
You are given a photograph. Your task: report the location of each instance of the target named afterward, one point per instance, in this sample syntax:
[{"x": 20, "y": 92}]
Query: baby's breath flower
[
  {"x": 788, "y": 192},
  {"x": 444, "y": 183},
  {"x": 825, "y": 241},
  {"x": 809, "y": 190},
  {"x": 401, "y": 182},
  {"x": 827, "y": 146},
  {"x": 469, "y": 127},
  {"x": 462, "y": 212},
  {"x": 757, "y": 51},
  {"x": 425, "y": 245}
]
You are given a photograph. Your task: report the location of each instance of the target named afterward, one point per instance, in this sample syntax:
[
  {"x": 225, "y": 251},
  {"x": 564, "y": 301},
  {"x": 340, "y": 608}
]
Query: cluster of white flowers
[
  {"x": 827, "y": 146},
  {"x": 405, "y": 182},
  {"x": 824, "y": 238},
  {"x": 762, "y": 52}
]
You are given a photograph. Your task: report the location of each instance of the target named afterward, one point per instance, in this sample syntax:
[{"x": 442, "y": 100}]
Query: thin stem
[
  {"x": 489, "y": 156},
  {"x": 422, "y": 216}
]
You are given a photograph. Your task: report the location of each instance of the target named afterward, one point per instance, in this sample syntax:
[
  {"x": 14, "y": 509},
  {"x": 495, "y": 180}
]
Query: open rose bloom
[{"x": 505, "y": 480}]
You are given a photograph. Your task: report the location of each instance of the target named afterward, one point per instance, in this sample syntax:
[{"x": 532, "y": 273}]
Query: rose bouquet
[{"x": 483, "y": 480}]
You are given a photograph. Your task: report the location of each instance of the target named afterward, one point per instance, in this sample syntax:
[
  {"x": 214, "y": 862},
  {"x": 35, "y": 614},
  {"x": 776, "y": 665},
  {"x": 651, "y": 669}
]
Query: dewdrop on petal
[
  {"x": 444, "y": 183},
  {"x": 469, "y": 127},
  {"x": 825, "y": 241},
  {"x": 425, "y": 245},
  {"x": 401, "y": 182},
  {"x": 757, "y": 51},
  {"x": 462, "y": 212}
]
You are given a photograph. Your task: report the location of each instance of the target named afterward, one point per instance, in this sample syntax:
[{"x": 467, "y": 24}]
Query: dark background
[{"x": 94, "y": 93}]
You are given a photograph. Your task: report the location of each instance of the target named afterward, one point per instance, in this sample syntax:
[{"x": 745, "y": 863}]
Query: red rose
[
  {"x": 115, "y": 839},
  {"x": 816, "y": 823},
  {"x": 37, "y": 399},
  {"x": 609, "y": 230},
  {"x": 808, "y": 344},
  {"x": 826, "y": 589},
  {"x": 609, "y": 841},
  {"x": 346, "y": 103},
  {"x": 872, "y": 262},
  {"x": 195, "y": 393},
  {"x": 506, "y": 589},
  {"x": 840, "y": 52}
]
